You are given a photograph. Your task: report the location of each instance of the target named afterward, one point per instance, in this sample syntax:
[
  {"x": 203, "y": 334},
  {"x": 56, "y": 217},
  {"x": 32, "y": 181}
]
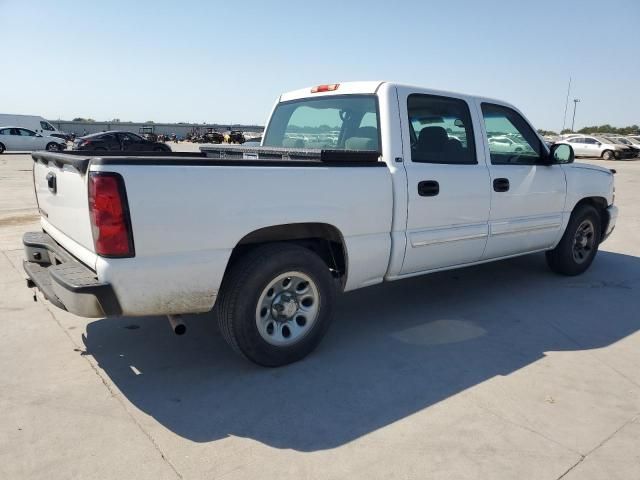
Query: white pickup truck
[{"x": 354, "y": 184}]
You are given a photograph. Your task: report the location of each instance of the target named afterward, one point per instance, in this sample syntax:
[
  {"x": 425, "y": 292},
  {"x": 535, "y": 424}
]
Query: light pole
[
  {"x": 566, "y": 105},
  {"x": 575, "y": 104}
]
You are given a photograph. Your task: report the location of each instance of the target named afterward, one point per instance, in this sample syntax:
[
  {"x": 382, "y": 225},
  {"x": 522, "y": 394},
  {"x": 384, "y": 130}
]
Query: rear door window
[{"x": 441, "y": 130}]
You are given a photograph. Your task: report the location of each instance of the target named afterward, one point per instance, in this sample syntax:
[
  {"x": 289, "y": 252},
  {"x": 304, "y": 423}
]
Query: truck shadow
[{"x": 393, "y": 350}]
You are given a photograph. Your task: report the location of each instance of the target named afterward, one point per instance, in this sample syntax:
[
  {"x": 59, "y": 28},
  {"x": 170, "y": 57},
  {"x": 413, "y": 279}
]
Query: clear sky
[{"x": 216, "y": 61}]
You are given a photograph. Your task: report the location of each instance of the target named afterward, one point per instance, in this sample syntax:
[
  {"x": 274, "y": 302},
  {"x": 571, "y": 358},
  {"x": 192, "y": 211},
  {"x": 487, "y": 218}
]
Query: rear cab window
[{"x": 340, "y": 122}]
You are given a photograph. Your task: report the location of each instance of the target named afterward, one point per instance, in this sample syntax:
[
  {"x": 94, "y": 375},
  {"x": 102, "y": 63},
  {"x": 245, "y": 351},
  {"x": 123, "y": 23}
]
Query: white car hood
[{"x": 588, "y": 166}]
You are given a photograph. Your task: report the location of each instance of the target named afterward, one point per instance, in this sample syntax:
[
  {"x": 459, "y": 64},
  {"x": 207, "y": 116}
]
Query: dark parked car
[
  {"x": 236, "y": 136},
  {"x": 117, "y": 141}
]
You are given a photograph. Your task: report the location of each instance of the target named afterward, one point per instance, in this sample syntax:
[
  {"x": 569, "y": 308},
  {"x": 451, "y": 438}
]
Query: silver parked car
[
  {"x": 628, "y": 141},
  {"x": 592, "y": 146},
  {"x": 25, "y": 140}
]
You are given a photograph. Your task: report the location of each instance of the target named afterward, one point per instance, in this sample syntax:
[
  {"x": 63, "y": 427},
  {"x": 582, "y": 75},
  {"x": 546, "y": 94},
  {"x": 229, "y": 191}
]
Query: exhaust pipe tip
[{"x": 177, "y": 325}]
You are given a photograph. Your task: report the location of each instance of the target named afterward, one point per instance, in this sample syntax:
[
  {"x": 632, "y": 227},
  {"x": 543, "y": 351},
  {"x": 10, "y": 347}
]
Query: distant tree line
[
  {"x": 606, "y": 128},
  {"x": 547, "y": 132},
  {"x": 609, "y": 129}
]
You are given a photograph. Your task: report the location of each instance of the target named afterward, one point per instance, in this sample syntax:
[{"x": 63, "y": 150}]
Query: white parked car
[
  {"x": 25, "y": 140},
  {"x": 507, "y": 144},
  {"x": 269, "y": 235},
  {"x": 595, "y": 146}
]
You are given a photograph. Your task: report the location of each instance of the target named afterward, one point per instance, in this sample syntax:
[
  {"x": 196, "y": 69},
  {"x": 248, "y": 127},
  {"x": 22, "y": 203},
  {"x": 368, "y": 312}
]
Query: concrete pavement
[{"x": 500, "y": 371}]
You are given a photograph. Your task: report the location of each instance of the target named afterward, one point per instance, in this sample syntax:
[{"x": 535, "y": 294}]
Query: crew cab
[{"x": 354, "y": 184}]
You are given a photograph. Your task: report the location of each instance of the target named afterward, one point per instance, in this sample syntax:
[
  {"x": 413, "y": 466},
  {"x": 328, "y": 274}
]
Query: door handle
[
  {"x": 501, "y": 184},
  {"x": 428, "y": 188},
  {"x": 52, "y": 183}
]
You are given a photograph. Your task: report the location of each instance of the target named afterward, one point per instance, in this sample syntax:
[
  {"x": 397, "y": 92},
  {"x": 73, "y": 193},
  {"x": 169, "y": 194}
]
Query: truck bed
[{"x": 189, "y": 211}]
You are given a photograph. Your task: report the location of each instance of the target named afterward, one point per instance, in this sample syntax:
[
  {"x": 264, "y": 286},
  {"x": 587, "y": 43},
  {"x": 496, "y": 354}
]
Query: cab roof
[{"x": 372, "y": 87}]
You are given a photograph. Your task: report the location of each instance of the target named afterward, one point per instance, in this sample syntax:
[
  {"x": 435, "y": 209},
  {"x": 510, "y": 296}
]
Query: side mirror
[
  {"x": 561, "y": 153},
  {"x": 598, "y": 143}
]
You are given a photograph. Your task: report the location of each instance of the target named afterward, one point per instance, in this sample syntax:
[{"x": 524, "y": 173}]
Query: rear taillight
[{"x": 109, "y": 211}]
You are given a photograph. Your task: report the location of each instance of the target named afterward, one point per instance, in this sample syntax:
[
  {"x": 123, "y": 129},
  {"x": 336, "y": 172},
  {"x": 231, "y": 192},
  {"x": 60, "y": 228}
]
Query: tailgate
[{"x": 61, "y": 192}]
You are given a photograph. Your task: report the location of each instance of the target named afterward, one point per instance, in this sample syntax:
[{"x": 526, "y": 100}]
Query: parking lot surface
[{"x": 500, "y": 371}]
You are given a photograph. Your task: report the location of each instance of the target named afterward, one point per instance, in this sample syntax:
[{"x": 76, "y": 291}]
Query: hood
[
  {"x": 588, "y": 166},
  {"x": 55, "y": 139}
]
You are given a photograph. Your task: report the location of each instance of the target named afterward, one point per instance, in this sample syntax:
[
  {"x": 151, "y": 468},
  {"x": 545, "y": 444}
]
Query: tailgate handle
[{"x": 52, "y": 183}]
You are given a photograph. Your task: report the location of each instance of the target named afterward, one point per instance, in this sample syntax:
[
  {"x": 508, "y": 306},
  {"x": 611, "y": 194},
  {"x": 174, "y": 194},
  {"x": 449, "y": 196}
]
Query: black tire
[
  {"x": 608, "y": 155},
  {"x": 52, "y": 147},
  {"x": 566, "y": 259},
  {"x": 246, "y": 282},
  {"x": 2, "y": 148}
]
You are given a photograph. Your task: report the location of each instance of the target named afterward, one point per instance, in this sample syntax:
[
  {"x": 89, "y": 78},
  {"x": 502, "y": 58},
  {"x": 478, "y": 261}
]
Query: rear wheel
[
  {"x": 53, "y": 147},
  {"x": 579, "y": 244},
  {"x": 608, "y": 155},
  {"x": 275, "y": 304}
]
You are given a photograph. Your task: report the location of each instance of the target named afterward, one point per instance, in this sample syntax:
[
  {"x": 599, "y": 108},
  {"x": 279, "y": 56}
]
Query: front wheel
[
  {"x": 53, "y": 147},
  {"x": 2, "y": 149},
  {"x": 579, "y": 244},
  {"x": 275, "y": 304},
  {"x": 608, "y": 155}
]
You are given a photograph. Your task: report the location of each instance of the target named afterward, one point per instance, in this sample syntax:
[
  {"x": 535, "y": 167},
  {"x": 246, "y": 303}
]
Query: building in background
[{"x": 80, "y": 128}]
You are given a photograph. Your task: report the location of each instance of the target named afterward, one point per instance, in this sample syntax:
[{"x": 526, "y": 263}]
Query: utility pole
[
  {"x": 566, "y": 105},
  {"x": 575, "y": 104}
]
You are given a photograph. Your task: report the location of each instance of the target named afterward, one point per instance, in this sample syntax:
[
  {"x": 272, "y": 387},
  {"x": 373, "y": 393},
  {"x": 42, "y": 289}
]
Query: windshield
[{"x": 347, "y": 122}]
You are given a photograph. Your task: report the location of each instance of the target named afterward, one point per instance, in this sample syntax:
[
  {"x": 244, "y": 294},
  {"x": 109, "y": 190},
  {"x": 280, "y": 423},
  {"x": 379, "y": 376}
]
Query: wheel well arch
[
  {"x": 323, "y": 239},
  {"x": 600, "y": 204}
]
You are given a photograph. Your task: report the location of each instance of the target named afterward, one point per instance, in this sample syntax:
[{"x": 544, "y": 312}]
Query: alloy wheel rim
[
  {"x": 583, "y": 241},
  {"x": 287, "y": 309}
]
